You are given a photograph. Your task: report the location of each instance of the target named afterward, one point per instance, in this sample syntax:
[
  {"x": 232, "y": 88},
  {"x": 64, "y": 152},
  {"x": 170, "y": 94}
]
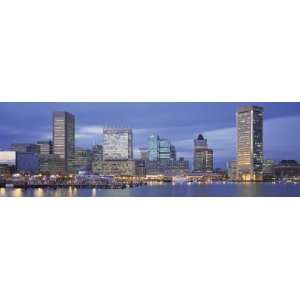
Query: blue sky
[{"x": 178, "y": 121}]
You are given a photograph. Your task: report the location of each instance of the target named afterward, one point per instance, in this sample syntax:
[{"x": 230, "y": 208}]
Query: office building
[
  {"x": 249, "y": 123},
  {"x": 114, "y": 167},
  {"x": 231, "y": 170},
  {"x": 268, "y": 167},
  {"x": 83, "y": 160},
  {"x": 51, "y": 164},
  {"x": 140, "y": 167},
  {"x": 97, "y": 152},
  {"x": 27, "y": 162},
  {"x": 202, "y": 155},
  {"x": 117, "y": 144},
  {"x": 167, "y": 167},
  {"x": 160, "y": 149},
  {"x": 64, "y": 138},
  {"x": 46, "y": 147},
  {"x": 25, "y": 147},
  {"x": 144, "y": 153},
  {"x": 153, "y": 141}
]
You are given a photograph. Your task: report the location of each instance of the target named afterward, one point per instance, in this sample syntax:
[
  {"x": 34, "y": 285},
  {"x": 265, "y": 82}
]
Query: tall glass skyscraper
[
  {"x": 249, "y": 123},
  {"x": 161, "y": 149},
  {"x": 64, "y": 138},
  {"x": 117, "y": 144}
]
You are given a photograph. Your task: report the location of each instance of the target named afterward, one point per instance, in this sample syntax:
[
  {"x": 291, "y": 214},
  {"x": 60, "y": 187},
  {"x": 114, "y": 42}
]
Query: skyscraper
[
  {"x": 117, "y": 144},
  {"x": 203, "y": 156},
  {"x": 249, "y": 123},
  {"x": 153, "y": 141},
  {"x": 64, "y": 138},
  {"x": 161, "y": 149}
]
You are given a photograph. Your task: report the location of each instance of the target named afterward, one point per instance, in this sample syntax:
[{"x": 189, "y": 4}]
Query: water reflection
[
  {"x": 165, "y": 190},
  {"x": 17, "y": 192},
  {"x": 39, "y": 192}
]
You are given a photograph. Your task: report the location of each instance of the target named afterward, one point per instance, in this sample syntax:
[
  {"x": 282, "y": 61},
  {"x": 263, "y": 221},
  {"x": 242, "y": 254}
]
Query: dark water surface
[{"x": 167, "y": 190}]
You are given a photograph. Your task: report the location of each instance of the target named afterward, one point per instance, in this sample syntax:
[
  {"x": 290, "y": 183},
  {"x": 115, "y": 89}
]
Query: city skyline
[{"x": 178, "y": 122}]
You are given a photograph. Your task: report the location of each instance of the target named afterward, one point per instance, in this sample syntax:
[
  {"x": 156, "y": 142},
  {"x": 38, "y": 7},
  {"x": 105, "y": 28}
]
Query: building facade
[
  {"x": 46, "y": 147},
  {"x": 114, "y": 167},
  {"x": 268, "y": 167},
  {"x": 117, "y": 144},
  {"x": 24, "y": 147},
  {"x": 287, "y": 169},
  {"x": 27, "y": 162},
  {"x": 83, "y": 160},
  {"x": 144, "y": 153},
  {"x": 167, "y": 167},
  {"x": 51, "y": 164},
  {"x": 249, "y": 123},
  {"x": 231, "y": 170},
  {"x": 97, "y": 152},
  {"x": 202, "y": 155},
  {"x": 160, "y": 149},
  {"x": 64, "y": 138}
]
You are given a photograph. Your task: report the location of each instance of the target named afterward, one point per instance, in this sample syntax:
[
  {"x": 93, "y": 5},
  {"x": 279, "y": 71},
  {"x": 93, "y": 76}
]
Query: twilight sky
[{"x": 178, "y": 121}]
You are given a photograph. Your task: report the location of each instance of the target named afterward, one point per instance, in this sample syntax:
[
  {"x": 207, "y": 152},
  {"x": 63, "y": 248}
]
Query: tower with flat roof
[{"x": 249, "y": 124}]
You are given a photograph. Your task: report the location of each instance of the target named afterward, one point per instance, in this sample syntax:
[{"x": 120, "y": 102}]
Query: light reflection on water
[{"x": 166, "y": 190}]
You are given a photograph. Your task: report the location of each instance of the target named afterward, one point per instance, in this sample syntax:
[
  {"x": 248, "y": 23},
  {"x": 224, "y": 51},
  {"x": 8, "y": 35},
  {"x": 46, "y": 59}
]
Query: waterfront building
[
  {"x": 8, "y": 158},
  {"x": 64, "y": 138},
  {"x": 161, "y": 149},
  {"x": 287, "y": 169},
  {"x": 249, "y": 123},
  {"x": 97, "y": 152},
  {"x": 140, "y": 168},
  {"x": 153, "y": 141},
  {"x": 144, "y": 153},
  {"x": 27, "y": 162},
  {"x": 46, "y": 147},
  {"x": 25, "y": 147},
  {"x": 231, "y": 170},
  {"x": 167, "y": 167},
  {"x": 117, "y": 144},
  {"x": 268, "y": 167},
  {"x": 83, "y": 160},
  {"x": 114, "y": 167},
  {"x": 51, "y": 164},
  {"x": 202, "y": 155}
]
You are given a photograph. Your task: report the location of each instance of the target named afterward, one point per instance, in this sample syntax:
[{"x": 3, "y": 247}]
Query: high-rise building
[
  {"x": 117, "y": 144},
  {"x": 25, "y": 147},
  {"x": 153, "y": 141},
  {"x": 46, "y": 147},
  {"x": 203, "y": 156},
  {"x": 64, "y": 138},
  {"x": 161, "y": 149},
  {"x": 249, "y": 123}
]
